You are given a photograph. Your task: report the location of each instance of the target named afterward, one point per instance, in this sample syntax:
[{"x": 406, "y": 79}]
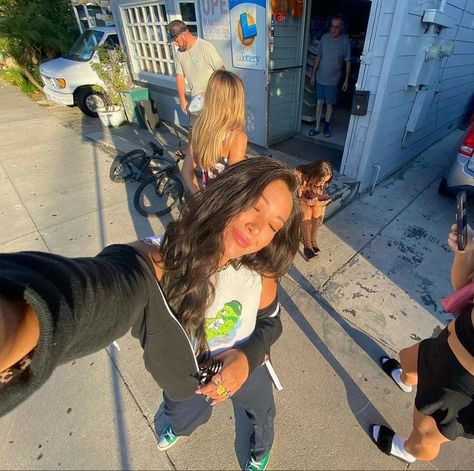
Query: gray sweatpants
[{"x": 255, "y": 397}]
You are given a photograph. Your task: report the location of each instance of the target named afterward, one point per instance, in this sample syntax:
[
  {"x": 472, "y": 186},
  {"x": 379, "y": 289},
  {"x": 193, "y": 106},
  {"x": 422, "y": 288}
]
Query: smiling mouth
[{"x": 240, "y": 239}]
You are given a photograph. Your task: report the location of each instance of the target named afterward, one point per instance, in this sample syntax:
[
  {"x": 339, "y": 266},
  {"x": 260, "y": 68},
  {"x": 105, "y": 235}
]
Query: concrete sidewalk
[{"x": 375, "y": 287}]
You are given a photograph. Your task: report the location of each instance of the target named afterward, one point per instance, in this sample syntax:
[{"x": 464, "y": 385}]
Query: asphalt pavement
[{"x": 374, "y": 288}]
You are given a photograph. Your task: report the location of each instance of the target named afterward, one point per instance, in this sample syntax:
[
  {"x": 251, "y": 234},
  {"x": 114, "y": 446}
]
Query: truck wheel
[{"x": 89, "y": 100}]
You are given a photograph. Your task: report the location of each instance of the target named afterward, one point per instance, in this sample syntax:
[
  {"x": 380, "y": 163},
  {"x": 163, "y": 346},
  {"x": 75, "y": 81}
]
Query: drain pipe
[{"x": 376, "y": 177}]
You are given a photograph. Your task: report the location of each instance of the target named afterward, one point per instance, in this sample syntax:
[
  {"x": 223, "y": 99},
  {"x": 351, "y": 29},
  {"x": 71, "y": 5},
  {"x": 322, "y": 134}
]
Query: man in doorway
[
  {"x": 333, "y": 50},
  {"x": 195, "y": 61}
]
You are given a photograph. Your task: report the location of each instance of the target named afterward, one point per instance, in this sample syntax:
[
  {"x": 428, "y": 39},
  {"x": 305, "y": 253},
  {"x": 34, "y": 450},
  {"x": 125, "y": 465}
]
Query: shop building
[{"x": 412, "y": 71}]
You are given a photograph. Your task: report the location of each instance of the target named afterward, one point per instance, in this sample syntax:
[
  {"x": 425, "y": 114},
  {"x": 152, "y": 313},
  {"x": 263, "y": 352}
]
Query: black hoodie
[{"x": 84, "y": 304}]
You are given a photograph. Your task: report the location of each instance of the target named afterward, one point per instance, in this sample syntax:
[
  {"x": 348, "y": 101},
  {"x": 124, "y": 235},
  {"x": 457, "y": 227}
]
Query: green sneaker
[
  {"x": 254, "y": 465},
  {"x": 167, "y": 438}
]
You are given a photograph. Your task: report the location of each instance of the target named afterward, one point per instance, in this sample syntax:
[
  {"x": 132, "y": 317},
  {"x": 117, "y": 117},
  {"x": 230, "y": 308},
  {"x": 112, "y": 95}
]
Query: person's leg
[
  {"x": 306, "y": 231},
  {"x": 192, "y": 121},
  {"x": 319, "y": 109},
  {"x": 186, "y": 416},
  {"x": 256, "y": 398},
  {"x": 409, "y": 363},
  {"x": 329, "y": 111},
  {"x": 405, "y": 372},
  {"x": 425, "y": 440},
  {"x": 317, "y": 218},
  {"x": 331, "y": 100}
]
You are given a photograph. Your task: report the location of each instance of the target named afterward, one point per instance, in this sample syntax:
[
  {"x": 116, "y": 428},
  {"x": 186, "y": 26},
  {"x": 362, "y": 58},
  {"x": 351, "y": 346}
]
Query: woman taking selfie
[
  {"x": 218, "y": 138},
  {"x": 218, "y": 267}
]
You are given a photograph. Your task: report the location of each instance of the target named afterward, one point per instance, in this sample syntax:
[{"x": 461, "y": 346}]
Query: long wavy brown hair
[
  {"x": 222, "y": 116},
  {"x": 193, "y": 245},
  {"x": 312, "y": 174}
]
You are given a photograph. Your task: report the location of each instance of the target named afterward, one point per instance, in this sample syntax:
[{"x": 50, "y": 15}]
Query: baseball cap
[{"x": 175, "y": 28}]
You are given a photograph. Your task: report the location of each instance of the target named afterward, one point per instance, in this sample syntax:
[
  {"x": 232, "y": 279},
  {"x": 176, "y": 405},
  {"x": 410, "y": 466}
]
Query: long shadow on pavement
[{"x": 355, "y": 395}]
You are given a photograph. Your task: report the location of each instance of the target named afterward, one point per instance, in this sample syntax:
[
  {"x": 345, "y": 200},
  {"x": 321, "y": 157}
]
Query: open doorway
[{"x": 319, "y": 14}]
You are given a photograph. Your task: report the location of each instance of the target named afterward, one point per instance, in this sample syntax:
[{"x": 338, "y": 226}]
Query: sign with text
[
  {"x": 215, "y": 19},
  {"x": 247, "y": 27}
]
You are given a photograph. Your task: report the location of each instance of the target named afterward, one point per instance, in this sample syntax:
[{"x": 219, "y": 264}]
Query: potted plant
[{"x": 111, "y": 68}]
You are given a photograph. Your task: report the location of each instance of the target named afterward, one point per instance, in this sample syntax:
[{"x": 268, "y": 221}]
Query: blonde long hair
[{"x": 222, "y": 116}]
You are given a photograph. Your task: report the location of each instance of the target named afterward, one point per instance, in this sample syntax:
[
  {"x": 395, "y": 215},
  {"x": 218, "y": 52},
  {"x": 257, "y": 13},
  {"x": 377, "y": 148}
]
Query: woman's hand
[
  {"x": 453, "y": 239},
  {"x": 234, "y": 373},
  {"x": 323, "y": 202}
]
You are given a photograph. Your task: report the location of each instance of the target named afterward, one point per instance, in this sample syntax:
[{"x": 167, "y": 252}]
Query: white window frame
[
  {"x": 177, "y": 15},
  {"x": 154, "y": 62}
]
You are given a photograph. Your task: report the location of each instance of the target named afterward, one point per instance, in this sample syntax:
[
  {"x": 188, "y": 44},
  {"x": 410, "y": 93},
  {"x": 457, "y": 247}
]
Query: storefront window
[
  {"x": 188, "y": 15},
  {"x": 145, "y": 26}
]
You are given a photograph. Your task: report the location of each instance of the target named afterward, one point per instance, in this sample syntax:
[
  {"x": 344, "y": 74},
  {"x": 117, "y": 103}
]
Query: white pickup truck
[{"x": 69, "y": 79}]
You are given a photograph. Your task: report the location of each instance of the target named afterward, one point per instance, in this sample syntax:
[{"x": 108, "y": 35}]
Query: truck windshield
[{"x": 85, "y": 46}]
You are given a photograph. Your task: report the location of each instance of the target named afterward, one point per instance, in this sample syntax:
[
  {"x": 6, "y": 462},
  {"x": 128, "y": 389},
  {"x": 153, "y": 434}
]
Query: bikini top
[
  {"x": 465, "y": 330},
  {"x": 209, "y": 174}
]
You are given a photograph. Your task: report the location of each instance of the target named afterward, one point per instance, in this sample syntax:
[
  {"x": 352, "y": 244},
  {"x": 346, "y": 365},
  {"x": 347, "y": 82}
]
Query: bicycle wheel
[
  {"x": 120, "y": 170},
  {"x": 158, "y": 195}
]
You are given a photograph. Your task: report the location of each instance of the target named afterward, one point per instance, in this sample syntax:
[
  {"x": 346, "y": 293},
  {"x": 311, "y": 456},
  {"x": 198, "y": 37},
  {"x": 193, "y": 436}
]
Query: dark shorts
[
  {"x": 445, "y": 389},
  {"x": 327, "y": 93}
]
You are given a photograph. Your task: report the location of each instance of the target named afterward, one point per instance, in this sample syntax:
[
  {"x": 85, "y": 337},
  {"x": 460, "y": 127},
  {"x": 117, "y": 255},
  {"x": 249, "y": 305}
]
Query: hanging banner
[
  {"x": 248, "y": 26},
  {"x": 215, "y": 19}
]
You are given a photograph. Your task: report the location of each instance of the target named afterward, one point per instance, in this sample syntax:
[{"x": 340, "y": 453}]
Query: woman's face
[{"x": 254, "y": 228}]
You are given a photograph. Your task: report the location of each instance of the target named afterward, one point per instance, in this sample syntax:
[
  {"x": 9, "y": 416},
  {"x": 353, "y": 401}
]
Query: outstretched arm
[{"x": 19, "y": 331}]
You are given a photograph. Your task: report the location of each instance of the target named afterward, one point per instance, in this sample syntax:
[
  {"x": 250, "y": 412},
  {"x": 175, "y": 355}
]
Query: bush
[
  {"x": 112, "y": 71},
  {"x": 15, "y": 76},
  {"x": 32, "y": 30}
]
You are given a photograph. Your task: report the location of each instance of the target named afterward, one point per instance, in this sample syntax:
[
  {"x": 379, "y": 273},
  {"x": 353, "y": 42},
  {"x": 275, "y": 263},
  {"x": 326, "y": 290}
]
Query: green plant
[
  {"x": 112, "y": 71},
  {"x": 15, "y": 76},
  {"x": 31, "y": 30}
]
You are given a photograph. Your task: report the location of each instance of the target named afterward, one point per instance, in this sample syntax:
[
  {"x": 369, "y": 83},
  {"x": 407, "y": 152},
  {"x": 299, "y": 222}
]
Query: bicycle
[
  {"x": 134, "y": 165},
  {"x": 160, "y": 185}
]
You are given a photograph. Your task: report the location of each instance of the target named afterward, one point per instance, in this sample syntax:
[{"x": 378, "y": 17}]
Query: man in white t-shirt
[{"x": 195, "y": 61}]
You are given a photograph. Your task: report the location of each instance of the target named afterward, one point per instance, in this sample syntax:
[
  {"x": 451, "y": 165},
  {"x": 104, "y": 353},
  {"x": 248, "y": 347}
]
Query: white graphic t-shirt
[{"x": 231, "y": 318}]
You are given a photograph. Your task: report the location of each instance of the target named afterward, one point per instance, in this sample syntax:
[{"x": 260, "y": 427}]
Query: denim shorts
[{"x": 327, "y": 93}]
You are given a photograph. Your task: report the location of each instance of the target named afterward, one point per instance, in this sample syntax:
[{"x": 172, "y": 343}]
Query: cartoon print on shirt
[{"x": 222, "y": 328}]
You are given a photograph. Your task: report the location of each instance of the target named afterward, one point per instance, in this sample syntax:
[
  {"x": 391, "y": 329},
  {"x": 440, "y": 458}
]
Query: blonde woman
[{"x": 218, "y": 138}]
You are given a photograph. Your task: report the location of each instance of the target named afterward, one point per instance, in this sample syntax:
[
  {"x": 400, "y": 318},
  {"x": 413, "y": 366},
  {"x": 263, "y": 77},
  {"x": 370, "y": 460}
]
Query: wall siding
[
  {"x": 453, "y": 80},
  {"x": 381, "y": 18}
]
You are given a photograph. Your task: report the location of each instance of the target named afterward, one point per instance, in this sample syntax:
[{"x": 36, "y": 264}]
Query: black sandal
[
  {"x": 388, "y": 366},
  {"x": 384, "y": 440}
]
